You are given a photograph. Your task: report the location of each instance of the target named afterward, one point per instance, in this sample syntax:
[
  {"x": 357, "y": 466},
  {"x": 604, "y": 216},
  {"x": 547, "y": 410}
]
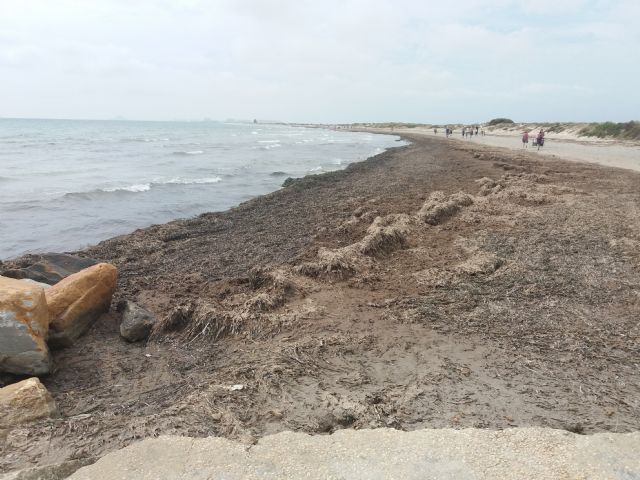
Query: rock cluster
[
  {"x": 33, "y": 318},
  {"x": 49, "y": 301}
]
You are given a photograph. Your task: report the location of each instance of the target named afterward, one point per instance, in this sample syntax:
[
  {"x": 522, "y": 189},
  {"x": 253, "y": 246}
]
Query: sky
[{"x": 331, "y": 61}]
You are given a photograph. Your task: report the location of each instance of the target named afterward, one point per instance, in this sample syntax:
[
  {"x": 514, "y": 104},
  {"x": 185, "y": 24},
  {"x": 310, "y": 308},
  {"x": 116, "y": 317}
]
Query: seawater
[{"x": 67, "y": 184}]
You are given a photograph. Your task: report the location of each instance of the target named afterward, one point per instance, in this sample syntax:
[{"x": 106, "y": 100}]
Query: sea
[{"x": 68, "y": 184}]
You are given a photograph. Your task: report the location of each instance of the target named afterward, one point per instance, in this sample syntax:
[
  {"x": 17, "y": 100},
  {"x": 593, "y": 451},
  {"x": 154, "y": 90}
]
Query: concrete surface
[{"x": 520, "y": 453}]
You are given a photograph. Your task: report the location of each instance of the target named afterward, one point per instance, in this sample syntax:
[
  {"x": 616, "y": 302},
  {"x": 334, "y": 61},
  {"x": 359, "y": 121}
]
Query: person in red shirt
[{"x": 525, "y": 139}]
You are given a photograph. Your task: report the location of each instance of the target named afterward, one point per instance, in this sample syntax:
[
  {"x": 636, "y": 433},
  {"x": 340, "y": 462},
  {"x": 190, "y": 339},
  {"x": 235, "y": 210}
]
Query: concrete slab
[{"x": 520, "y": 453}]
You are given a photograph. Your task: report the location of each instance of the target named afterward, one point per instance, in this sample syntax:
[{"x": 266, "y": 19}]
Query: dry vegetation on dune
[
  {"x": 435, "y": 285},
  {"x": 628, "y": 131}
]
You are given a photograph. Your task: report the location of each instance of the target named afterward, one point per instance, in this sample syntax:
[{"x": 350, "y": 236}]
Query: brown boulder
[
  {"x": 24, "y": 323},
  {"x": 24, "y": 402},
  {"x": 78, "y": 300}
]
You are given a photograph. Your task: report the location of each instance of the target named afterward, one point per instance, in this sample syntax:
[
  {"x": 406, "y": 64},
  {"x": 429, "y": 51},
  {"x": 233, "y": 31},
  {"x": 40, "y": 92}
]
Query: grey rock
[
  {"x": 137, "y": 322},
  {"x": 24, "y": 323},
  {"x": 520, "y": 453},
  {"x": 49, "y": 268}
]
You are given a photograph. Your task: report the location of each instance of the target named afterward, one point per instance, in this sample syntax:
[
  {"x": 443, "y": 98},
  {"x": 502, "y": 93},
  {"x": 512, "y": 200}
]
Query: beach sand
[
  {"x": 565, "y": 145},
  {"x": 514, "y": 303}
]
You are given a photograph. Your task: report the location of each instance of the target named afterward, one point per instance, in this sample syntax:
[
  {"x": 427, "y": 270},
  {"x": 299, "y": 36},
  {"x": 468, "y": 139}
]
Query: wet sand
[{"x": 363, "y": 298}]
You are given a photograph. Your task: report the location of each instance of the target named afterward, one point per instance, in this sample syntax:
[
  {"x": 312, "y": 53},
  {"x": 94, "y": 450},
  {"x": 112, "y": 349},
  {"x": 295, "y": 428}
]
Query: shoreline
[
  {"x": 515, "y": 305},
  {"x": 606, "y": 152},
  {"x": 171, "y": 195}
]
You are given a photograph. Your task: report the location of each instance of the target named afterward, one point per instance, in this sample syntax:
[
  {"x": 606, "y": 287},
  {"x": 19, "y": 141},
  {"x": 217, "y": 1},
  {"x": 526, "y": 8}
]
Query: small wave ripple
[{"x": 191, "y": 152}]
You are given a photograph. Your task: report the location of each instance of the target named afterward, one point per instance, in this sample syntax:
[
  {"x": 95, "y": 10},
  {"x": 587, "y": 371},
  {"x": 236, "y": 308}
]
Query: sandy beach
[
  {"x": 568, "y": 146},
  {"x": 446, "y": 283}
]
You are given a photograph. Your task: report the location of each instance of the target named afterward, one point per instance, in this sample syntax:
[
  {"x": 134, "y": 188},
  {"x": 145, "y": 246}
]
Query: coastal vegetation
[
  {"x": 627, "y": 130},
  {"x": 500, "y": 121}
]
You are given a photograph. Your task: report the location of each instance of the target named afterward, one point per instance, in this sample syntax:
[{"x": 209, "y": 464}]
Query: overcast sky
[{"x": 321, "y": 60}]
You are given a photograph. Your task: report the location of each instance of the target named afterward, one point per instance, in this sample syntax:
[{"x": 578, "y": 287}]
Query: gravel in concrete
[{"x": 520, "y": 453}]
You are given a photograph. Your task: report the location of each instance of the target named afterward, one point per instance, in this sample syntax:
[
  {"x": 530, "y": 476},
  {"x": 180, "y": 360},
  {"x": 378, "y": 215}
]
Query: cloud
[{"x": 316, "y": 61}]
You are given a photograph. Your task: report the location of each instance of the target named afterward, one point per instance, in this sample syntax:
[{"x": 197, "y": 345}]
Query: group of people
[
  {"x": 466, "y": 131},
  {"x": 537, "y": 141},
  {"x": 471, "y": 131}
]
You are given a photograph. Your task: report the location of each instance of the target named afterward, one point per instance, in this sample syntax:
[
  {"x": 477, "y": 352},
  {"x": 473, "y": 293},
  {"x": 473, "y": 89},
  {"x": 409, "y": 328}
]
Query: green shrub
[
  {"x": 628, "y": 130},
  {"x": 555, "y": 128},
  {"x": 498, "y": 121}
]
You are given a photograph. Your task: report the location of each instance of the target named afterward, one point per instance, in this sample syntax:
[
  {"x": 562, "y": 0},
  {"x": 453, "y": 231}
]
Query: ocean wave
[
  {"x": 267, "y": 147},
  {"x": 138, "y": 187},
  {"x": 278, "y": 174},
  {"x": 187, "y": 181},
  {"x": 144, "y": 139},
  {"x": 192, "y": 152},
  {"x": 143, "y": 187}
]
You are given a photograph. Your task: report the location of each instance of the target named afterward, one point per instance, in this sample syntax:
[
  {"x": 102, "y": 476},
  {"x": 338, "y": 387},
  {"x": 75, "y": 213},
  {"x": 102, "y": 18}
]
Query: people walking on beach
[
  {"x": 435, "y": 131},
  {"x": 477, "y": 128},
  {"x": 540, "y": 138},
  {"x": 525, "y": 139},
  {"x": 464, "y": 132}
]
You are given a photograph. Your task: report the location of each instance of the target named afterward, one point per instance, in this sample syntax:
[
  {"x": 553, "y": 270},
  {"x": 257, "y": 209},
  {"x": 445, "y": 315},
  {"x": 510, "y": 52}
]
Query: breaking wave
[{"x": 143, "y": 187}]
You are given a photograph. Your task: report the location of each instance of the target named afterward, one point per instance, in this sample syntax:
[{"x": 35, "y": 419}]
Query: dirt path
[{"x": 512, "y": 304}]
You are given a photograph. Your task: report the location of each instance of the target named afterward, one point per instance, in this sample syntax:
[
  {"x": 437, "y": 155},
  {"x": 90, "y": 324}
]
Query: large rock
[
  {"x": 137, "y": 322},
  {"x": 25, "y": 402},
  {"x": 24, "y": 323},
  {"x": 78, "y": 301},
  {"x": 49, "y": 268}
]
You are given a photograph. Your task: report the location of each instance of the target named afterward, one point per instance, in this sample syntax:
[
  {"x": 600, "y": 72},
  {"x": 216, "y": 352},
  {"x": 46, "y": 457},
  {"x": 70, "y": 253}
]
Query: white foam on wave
[
  {"x": 191, "y": 181},
  {"x": 189, "y": 152},
  {"x": 316, "y": 169},
  {"x": 138, "y": 187},
  {"x": 268, "y": 141},
  {"x": 145, "y": 187}
]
